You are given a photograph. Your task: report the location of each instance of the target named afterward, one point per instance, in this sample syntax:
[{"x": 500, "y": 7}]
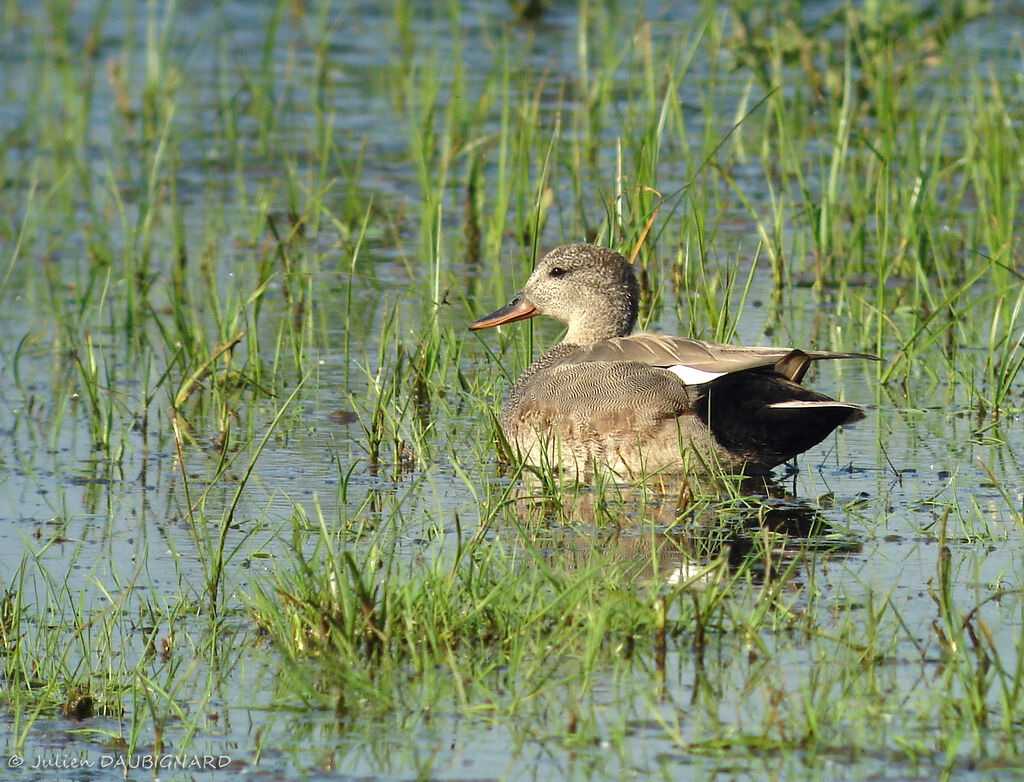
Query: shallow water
[{"x": 922, "y": 459}]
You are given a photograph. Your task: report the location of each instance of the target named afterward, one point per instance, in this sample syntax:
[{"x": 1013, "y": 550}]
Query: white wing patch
[
  {"x": 806, "y": 404},
  {"x": 693, "y": 376}
]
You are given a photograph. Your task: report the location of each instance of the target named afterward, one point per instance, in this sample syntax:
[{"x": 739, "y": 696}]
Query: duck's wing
[{"x": 695, "y": 361}]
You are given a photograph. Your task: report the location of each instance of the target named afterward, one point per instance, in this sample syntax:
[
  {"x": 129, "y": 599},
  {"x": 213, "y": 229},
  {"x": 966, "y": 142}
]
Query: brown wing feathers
[{"x": 662, "y": 351}]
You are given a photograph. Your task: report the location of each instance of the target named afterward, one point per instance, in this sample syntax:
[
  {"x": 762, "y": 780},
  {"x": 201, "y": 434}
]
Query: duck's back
[{"x": 570, "y": 411}]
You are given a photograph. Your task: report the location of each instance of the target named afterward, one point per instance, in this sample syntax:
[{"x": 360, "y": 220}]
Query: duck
[{"x": 644, "y": 404}]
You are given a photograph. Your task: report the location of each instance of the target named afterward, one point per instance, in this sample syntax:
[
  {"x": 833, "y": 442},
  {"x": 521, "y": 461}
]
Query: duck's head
[{"x": 591, "y": 289}]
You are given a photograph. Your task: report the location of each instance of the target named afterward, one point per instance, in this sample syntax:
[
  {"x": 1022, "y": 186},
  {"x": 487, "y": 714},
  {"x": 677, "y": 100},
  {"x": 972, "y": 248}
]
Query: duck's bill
[{"x": 518, "y": 309}]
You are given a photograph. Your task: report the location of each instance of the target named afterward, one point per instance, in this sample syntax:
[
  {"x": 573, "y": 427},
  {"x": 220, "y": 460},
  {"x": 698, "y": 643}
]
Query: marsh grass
[
  {"x": 492, "y": 615},
  {"x": 63, "y": 650},
  {"x": 208, "y": 254}
]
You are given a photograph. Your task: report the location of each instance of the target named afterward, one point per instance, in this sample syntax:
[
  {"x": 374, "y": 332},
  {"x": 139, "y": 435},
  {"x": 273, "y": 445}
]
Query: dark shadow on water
[{"x": 666, "y": 533}]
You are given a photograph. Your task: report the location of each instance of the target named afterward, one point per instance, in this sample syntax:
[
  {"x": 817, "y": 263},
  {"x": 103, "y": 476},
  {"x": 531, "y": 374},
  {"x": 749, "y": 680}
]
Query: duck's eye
[{"x": 557, "y": 271}]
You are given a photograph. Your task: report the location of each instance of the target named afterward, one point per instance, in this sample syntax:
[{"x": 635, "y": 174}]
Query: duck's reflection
[{"x": 669, "y": 534}]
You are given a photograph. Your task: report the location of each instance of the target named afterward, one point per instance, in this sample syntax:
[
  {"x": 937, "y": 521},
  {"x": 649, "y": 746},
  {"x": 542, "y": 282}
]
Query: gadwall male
[{"x": 641, "y": 403}]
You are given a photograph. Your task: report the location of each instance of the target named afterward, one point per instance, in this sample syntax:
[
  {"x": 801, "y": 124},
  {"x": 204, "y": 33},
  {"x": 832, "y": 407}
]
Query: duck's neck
[{"x": 591, "y": 327}]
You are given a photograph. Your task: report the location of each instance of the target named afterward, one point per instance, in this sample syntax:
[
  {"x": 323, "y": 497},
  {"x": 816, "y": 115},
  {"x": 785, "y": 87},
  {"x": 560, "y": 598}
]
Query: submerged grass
[{"x": 228, "y": 264}]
